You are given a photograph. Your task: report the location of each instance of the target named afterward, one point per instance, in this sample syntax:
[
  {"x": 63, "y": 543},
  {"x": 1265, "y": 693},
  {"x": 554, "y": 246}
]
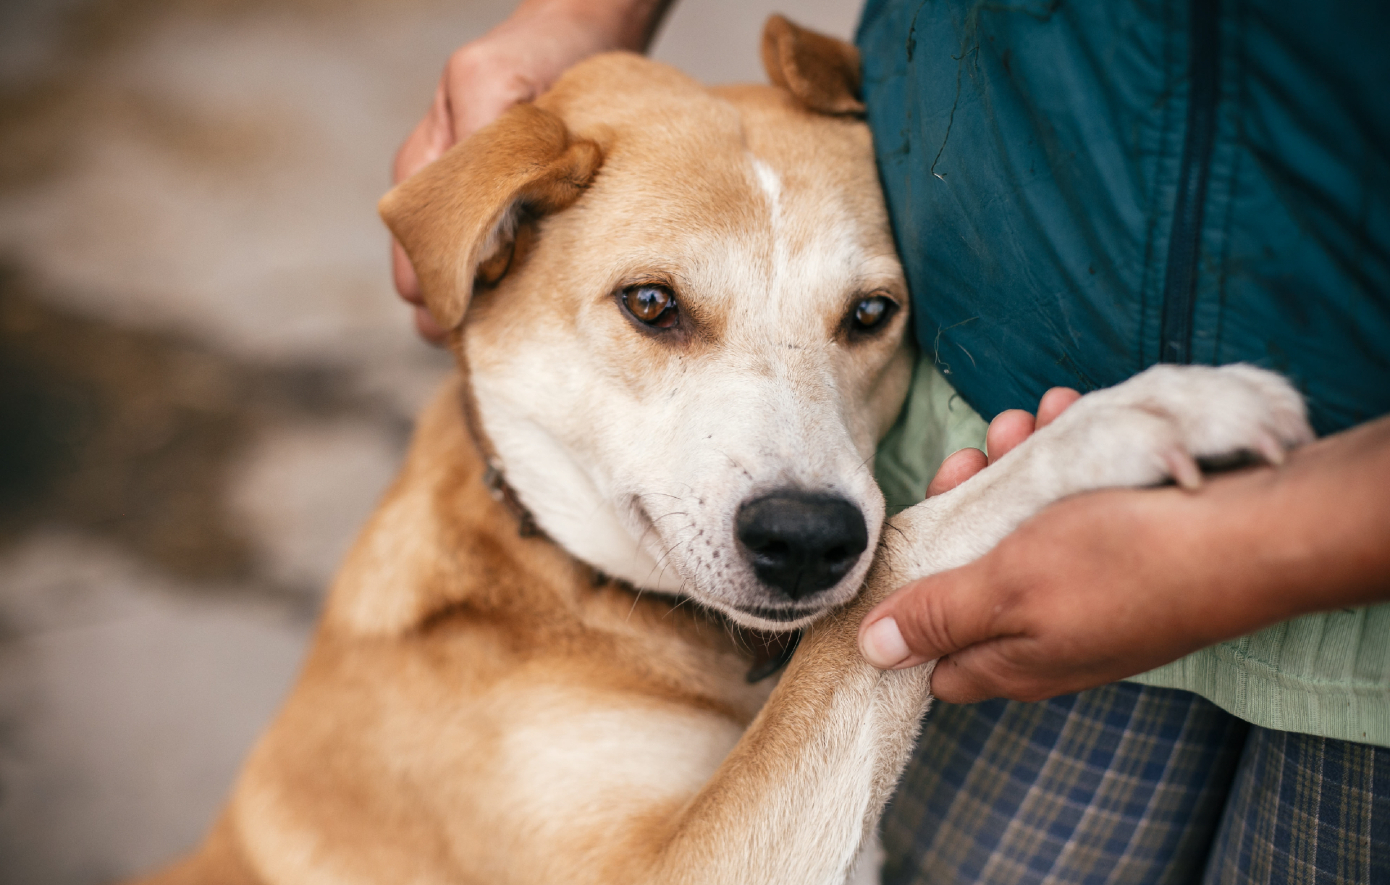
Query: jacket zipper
[{"x": 1184, "y": 241}]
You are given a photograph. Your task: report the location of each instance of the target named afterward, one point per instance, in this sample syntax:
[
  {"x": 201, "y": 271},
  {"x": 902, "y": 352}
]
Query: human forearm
[{"x": 523, "y": 55}]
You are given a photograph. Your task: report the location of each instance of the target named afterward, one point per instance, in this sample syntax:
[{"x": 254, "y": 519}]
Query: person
[{"x": 1079, "y": 192}]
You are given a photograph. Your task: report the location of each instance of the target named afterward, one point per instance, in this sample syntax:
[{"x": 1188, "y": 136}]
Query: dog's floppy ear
[
  {"x": 456, "y": 217},
  {"x": 822, "y": 72}
]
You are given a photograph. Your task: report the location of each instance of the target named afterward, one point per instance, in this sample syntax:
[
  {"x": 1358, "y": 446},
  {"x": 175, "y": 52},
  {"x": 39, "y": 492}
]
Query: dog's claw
[
  {"x": 1269, "y": 448},
  {"x": 1183, "y": 469}
]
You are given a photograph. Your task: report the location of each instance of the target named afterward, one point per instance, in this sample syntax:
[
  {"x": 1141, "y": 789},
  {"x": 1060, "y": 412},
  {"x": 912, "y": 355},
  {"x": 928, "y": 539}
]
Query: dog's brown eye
[
  {"x": 872, "y": 312},
  {"x": 651, "y": 305}
]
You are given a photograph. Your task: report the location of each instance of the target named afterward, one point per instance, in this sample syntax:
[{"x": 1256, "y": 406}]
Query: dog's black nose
[{"x": 800, "y": 542}]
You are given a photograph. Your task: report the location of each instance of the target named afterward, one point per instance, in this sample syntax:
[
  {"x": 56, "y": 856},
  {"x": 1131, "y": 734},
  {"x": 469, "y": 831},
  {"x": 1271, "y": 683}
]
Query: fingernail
[{"x": 882, "y": 644}]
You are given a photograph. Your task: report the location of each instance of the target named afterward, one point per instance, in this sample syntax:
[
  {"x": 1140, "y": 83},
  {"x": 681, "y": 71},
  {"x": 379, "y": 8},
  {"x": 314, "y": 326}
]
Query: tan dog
[{"x": 680, "y": 322}]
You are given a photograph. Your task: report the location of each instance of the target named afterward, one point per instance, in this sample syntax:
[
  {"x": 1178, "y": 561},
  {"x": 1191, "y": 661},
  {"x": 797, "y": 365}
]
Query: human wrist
[
  {"x": 1325, "y": 524},
  {"x": 1229, "y": 580},
  {"x": 1182, "y": 568},
  {"x": 1273, "y": 543}
]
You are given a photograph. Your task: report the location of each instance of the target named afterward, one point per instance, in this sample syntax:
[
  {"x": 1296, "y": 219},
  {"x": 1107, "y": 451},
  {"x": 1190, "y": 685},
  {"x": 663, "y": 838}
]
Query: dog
[{"x": 679, "y": 322}]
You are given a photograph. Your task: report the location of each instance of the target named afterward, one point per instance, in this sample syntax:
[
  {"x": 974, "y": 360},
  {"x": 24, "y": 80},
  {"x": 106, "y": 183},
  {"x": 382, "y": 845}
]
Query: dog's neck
[
  {"x": 494, "y": 478},
  {"x": 441, "y": 540}
]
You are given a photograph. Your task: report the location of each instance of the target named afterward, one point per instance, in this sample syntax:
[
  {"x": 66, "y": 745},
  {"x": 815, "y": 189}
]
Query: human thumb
[{"x": 925, "y": 620}]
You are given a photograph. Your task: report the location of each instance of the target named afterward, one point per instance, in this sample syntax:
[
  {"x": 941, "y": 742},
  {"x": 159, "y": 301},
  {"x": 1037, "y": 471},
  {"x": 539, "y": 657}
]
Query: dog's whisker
[
  {"x": 680, "y": 602},
  {"x": 864, "y": 465},
  {"x": 662, "y": 494},
  {"x": 662, "y": 563},
  {"x": 735, "y": 463},
  {"x": 671, "y": 514}
]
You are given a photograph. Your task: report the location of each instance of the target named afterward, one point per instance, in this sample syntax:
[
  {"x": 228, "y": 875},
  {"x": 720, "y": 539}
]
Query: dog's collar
[
  {"x": 504, "y": 494},
  {"x": 494, "y": 480}
]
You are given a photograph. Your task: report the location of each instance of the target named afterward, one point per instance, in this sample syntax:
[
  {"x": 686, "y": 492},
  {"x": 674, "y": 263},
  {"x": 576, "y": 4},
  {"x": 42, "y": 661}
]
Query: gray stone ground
[{"x": 205, "y": 380}]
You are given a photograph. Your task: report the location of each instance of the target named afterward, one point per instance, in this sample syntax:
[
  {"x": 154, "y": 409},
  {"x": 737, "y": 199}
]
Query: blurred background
[{"x": 205, "y": 377}]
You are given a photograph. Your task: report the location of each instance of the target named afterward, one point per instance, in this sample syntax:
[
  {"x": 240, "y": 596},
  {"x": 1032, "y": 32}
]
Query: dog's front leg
[
  {"x": 794, "y": 799},
  {"x": 810, "y": 777}
]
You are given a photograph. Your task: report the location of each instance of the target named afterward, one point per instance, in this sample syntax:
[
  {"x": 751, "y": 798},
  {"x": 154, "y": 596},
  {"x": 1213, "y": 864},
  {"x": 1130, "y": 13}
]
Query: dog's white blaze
[{"x": 771, "y": 184}]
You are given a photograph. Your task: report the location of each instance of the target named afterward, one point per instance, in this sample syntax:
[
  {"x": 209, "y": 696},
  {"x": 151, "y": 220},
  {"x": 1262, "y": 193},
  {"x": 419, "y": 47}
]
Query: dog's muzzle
[{"x": 800, "y": 543}]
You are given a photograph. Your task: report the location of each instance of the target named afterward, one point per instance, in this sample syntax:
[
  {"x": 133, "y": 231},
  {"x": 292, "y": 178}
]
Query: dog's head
[{"x": 683, "y": 320}]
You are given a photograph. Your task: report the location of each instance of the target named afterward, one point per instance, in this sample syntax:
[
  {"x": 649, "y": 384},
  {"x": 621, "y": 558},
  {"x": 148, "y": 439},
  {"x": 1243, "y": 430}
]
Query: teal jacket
[{"x": 1081, "y": 190}]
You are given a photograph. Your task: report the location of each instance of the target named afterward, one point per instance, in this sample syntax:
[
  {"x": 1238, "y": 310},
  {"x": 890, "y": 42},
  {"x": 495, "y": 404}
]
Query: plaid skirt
[{"x": 1133, "y": 784}]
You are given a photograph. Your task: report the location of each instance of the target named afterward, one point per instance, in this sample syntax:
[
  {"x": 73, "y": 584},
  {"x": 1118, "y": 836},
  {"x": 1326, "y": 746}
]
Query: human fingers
[
  {"x": 477, "y": 86},
  {"x": 431, "y": 137},
  {"x": 408, "y": 287},
  {"x": 471, "y": 94},
  {"x": 987, "y": 670},
  {"x": 956, "y": 469},
  {"x": 1012, "y": 427},
  {"x": 1053, "y": 403},
  {"x": 928, "y": 619},
  {"x": 428, "y": 327},
  {"x": 403, "y": 276},
  {"x": 1020, "y": 667},
  {"x": 513, "y": 63},
  {"x": 1006, "y": 431},
  {"x": 1090, "y": 590},
  {"x": 481, "y": 82}
]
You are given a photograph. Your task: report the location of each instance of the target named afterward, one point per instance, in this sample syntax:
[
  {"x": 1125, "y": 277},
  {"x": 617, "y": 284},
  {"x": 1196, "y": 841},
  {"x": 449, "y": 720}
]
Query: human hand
[
  {"x": 1038, "y": 616},
  {"x": 1042, "y": 614},
  {"x": 1109, "y": 584},
  {"x": 514, "y": 62},
  {"x": 1094, "y": 589}
]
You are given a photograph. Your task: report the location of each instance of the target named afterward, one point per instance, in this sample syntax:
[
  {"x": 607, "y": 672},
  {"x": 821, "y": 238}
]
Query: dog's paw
[{"x": 1162, "y": 423}]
